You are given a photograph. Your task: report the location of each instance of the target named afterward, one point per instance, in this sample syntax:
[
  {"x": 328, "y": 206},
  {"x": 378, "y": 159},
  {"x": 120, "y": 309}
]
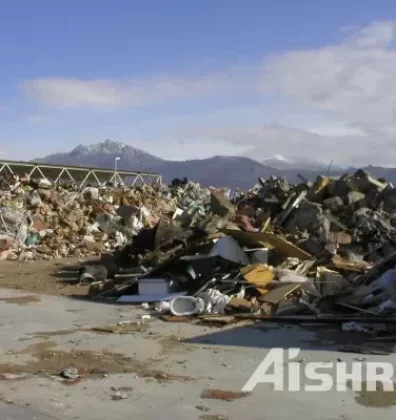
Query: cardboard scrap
[{"x": 259, "y": 275}]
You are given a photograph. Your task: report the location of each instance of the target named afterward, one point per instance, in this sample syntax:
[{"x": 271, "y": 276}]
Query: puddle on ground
[
  {"x": 219, "y": 394},
  {"x": 21, "y": 300},
  {"x": 50, "y": 361},
  {"x": 378, "y": 398}
]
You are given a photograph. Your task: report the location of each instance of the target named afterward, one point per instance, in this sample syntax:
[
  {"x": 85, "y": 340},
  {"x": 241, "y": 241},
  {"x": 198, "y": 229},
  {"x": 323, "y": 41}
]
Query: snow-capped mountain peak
[
  {"x": 282, "y": 162},
  {"x": 280, "y": 158},
  {"x": 104, "y": 147}
]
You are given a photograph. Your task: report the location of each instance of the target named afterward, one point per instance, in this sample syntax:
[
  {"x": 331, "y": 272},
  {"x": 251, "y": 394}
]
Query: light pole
[{"x": 115, "y": 163}]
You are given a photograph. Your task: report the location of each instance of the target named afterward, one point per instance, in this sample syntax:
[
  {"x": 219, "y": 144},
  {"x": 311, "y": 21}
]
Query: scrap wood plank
[
  {"x": 305, "y": 267},
  {"x": 174, "y": 318},
  {"x": 270, "y": 241},
  {"x": 279, "y": 293},
  {"x": 356, "y": 266},
  {"x": 238, "y": 303},
  {"x": 218, "y": 319}
]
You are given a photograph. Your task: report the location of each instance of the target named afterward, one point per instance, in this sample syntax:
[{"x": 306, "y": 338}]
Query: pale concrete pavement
[{"x": 217, "y": 358}]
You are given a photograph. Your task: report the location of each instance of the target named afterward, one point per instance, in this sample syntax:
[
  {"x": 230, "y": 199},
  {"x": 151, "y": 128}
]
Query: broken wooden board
[
  {"x": 218, "y": 319},
  {"x": 305, "y": 267},
  {"x": 238, "y": 303},
  {"x": 174, "y": 318},
  {"x": 270, "y": 241},
  {"x": 276, "y": 295},
  {"x": 266, "y": 225},
  {"x": 322, "y": 184},
  {"x": 356, "y": 266},
  {"x": 258, "y": 275}
]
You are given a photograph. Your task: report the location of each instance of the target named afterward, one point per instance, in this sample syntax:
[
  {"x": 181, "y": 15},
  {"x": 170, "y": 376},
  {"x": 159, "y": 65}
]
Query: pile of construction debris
[
  {"x": 42, "y": 221},
  {"x": 323, "y": 249}
]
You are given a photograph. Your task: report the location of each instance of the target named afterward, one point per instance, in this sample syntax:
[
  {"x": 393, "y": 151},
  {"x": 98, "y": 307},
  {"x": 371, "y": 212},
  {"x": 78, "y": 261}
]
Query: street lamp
[{"x": 115, "y": 163}]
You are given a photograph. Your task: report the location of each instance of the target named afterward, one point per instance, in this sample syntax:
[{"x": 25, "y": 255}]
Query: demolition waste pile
[{"x": 322, "y": 251}]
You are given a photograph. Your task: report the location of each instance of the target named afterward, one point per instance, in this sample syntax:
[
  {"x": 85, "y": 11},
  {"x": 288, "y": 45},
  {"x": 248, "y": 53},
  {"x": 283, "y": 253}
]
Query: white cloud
[
  {"x": 375, "y": 35},
  {"x": 261, "y": 142},
  {"x": 71, "y": 93},
  {"x": 349, "y": 87},
  {"x": 354, "y": 81}
]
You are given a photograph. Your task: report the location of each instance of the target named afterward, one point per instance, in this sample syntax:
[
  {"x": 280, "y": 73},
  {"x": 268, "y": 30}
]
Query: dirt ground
[
  {"x": 51, "y": 361},
  {"x": 40, "y": 277}
]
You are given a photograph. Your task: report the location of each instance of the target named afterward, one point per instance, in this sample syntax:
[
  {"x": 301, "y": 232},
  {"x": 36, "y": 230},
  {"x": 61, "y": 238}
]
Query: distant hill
[
  {"x": 227, "y": 171},
  {"x": 219, "y": 171}
]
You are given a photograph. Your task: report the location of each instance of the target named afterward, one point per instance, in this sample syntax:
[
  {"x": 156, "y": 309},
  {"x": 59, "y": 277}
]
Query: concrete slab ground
[{"x": 161, "y": 372}]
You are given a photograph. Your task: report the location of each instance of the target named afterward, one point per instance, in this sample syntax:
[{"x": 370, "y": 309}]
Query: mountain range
[{"x": 226, "y": 171}]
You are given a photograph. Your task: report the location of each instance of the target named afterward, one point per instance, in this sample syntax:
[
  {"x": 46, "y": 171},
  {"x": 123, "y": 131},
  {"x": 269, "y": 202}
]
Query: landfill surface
[{"x": 317, "y": 253}]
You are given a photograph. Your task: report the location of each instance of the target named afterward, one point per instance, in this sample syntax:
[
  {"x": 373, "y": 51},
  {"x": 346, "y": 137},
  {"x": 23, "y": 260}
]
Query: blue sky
[{"x": 184, "y": 79}]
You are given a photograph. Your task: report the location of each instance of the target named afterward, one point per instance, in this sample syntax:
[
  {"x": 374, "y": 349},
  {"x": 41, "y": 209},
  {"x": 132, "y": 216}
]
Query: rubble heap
[
  {"x": 324, "y": 249},
  {"x": 41, "y": 221}
]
